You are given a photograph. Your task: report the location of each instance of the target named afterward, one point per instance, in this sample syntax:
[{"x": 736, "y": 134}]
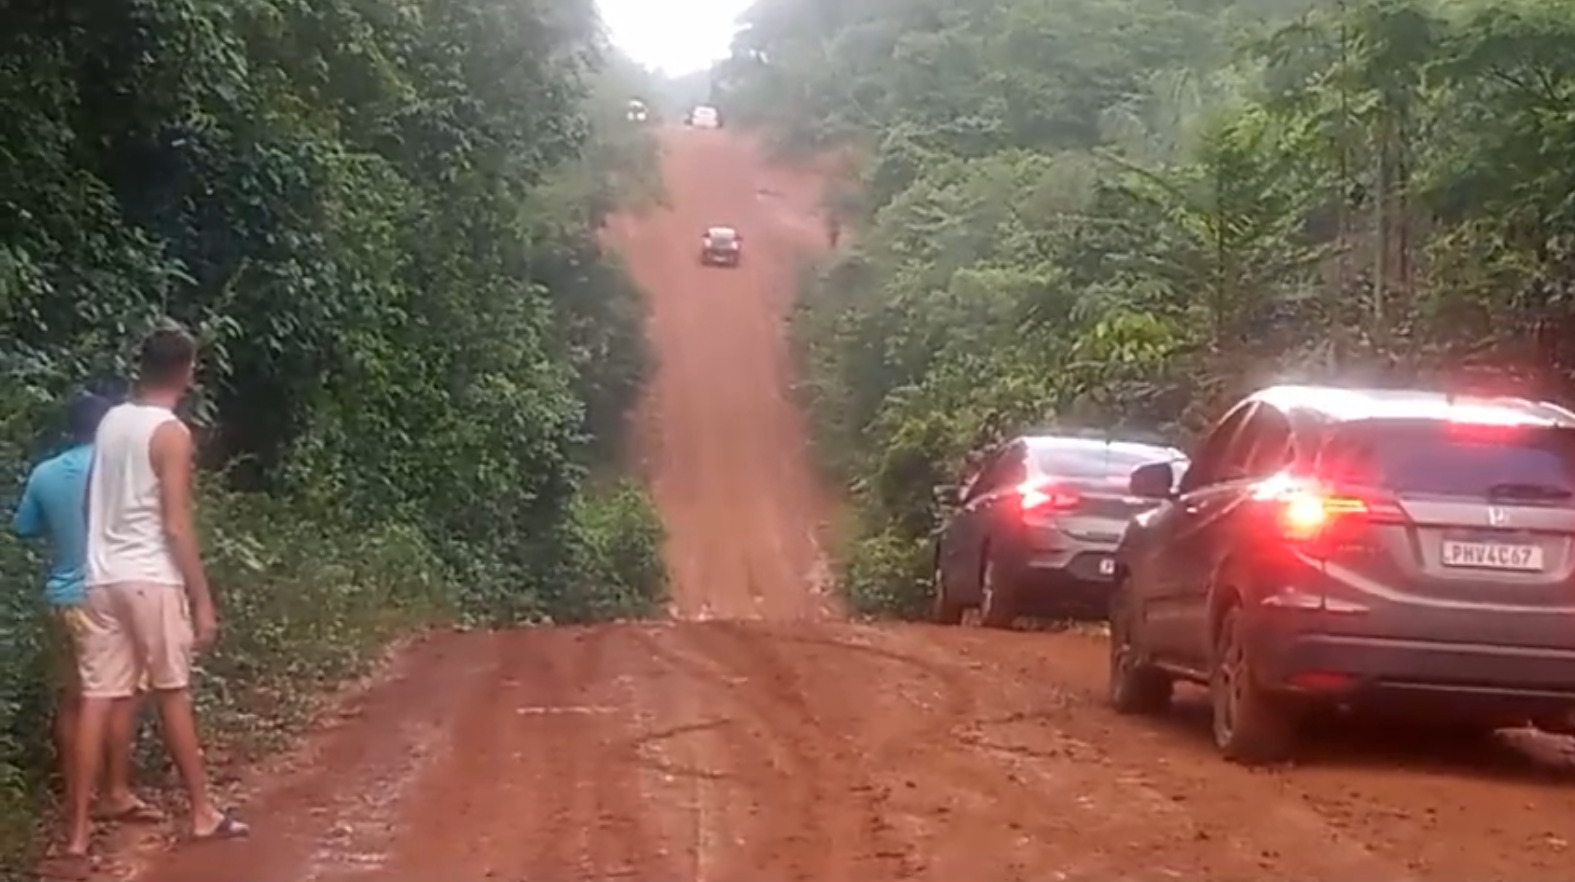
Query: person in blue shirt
[{"x": 54, "y": 509}]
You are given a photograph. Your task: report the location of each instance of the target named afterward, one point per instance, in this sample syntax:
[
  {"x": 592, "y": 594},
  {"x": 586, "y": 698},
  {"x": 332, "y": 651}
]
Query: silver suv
[
  {"x": 1035, "y": 530},
  {"x": 1394, "y": 552}
]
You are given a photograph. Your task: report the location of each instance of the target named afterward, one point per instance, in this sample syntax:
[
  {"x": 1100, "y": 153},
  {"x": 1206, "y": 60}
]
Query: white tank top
[{"x": 125, "y": 522}]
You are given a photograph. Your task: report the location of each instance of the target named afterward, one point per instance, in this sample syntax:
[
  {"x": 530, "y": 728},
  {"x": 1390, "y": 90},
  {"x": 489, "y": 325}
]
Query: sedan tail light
[{"x": 1047, "y": 495}]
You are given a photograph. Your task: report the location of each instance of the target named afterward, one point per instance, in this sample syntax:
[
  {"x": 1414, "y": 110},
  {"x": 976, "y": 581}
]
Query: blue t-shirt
[{"x": 53, "y": 508}]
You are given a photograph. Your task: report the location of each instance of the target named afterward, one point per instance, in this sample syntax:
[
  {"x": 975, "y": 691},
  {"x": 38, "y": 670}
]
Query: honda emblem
[{"x": 1497, "y": 517}]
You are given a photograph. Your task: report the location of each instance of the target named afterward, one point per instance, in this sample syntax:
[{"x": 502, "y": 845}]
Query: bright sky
[{"x": 674, "y": 36}]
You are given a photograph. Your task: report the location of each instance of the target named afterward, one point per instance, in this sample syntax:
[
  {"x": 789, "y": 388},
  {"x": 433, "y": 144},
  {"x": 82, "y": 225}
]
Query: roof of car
[
  {"x": 720, "y": 231},
  {"x": 1072, "y": 442},
  {"x": 1346, "y": 405}
]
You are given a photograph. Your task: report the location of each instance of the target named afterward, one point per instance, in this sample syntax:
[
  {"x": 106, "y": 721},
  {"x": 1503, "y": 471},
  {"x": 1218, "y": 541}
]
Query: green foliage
[
  {"x": 1122, "y": 213},
  {"x": 620, "y": 569},
  {"x": 383, "y": 219}
]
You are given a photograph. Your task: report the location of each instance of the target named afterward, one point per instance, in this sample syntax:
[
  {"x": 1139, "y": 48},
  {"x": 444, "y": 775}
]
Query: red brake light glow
[
  {"x": 1042, "y": 495},
  {"x": 1306, "y": 513},
  {"x": 1305, "y": 510}
]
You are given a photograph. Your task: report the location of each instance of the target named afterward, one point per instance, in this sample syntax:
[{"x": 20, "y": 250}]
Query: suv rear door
[{"x": 1466, "y": 519}]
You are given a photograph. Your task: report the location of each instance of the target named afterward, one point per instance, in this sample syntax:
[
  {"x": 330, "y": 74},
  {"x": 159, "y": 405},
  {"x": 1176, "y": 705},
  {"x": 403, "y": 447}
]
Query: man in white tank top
[{"x": 148, "y": 606}]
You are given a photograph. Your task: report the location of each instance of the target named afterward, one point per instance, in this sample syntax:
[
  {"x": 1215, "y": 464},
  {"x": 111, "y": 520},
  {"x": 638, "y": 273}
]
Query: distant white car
[
  {"x": 721, "y": 246},
  {"x": 705, "y": 117},
  {"x": 637, "y": 111}
]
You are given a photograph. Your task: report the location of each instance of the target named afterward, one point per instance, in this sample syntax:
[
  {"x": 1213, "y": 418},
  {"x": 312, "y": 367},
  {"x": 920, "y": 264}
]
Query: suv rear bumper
[
  {"x": 1517, "y": 682},
  {"x": 720, "y": 258}
]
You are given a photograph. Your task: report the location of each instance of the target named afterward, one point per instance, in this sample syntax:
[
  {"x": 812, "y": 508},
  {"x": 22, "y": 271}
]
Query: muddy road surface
[{"x": 758, "y": 738}]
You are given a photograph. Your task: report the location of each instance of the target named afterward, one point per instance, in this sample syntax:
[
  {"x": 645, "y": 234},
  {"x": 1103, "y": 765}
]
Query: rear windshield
[
  {"x": 1098, "y": 460},
  {"x": 1440, "y": 459},
  {"x": 723, "y": 235}
]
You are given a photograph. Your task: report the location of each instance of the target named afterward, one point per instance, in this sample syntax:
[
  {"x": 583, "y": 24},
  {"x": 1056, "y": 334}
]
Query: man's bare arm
[{"x": 173, "y": 461}]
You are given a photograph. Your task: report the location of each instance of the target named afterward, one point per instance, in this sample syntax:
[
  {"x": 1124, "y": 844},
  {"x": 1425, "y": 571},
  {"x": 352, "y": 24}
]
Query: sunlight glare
[{"x": 673, "y": 36}]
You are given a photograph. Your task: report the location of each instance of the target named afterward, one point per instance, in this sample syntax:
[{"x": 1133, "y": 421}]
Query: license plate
[
  {"x": 1493, "y": 556},
  {"x": 1107, "y": 567}
]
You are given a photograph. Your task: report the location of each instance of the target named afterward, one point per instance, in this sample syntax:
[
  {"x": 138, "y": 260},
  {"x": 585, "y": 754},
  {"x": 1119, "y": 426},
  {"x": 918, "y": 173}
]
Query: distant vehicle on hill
[
  {"x": 721, "y": 246},
  {"x": 704, "y": 117},
  {"x": 638, "y": 112}
]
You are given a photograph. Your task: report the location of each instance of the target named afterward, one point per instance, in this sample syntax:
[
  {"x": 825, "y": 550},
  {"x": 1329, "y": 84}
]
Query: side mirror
[
  {"x": 1157, "y": 480},
  {"x": 948, "y": 495}
]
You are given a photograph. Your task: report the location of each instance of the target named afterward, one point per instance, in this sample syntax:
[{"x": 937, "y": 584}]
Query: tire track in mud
[
  {"x": 527, "y": 789},
  {"x": 326, "y": 807},
  {"x": 1387, "y": 804},
  {"x": 781, "y": 765},
  {"x": 1117, "y": 781}
]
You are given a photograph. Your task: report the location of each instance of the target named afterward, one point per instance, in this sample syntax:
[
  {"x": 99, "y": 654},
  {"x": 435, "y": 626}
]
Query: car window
[
  {"x": 1209, "y": 463},
  {"x": 1085, "y": 460},
  {"x": 1430, "y": 458},
  {"x": 723, "y": 235},
  {"x": 1262, "y": 447}
]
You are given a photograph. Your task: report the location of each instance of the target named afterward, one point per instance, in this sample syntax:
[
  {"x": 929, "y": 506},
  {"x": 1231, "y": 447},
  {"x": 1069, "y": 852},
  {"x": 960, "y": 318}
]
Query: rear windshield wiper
[{"x": 1518, "y": 490}]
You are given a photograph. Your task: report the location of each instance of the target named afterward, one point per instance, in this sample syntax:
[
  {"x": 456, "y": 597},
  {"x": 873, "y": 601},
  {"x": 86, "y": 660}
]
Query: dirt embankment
[{"x": 777, "y": 742}]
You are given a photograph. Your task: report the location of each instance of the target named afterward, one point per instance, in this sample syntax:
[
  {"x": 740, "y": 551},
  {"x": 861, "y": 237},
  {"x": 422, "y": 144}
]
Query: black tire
[
  {"x": 944, "y": 610},
  {"x": 1251, "y": 725},
  {"x": 1135, "y": 687},
  {"x": 997, "y": 606}
]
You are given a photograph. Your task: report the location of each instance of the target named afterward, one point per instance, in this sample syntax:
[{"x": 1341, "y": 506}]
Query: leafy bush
[
  {"x": 620, "y": 573},
  {"x": 382, "y": 221},
  {"x": 1122, "y": 214}
]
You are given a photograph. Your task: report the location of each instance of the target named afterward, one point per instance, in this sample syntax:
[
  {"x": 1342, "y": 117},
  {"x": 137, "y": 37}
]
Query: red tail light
[
  {"x": 1047, "y": 496},
  {"x": 1305, "y": 511},
  {"x": 1305, "y": 514}
]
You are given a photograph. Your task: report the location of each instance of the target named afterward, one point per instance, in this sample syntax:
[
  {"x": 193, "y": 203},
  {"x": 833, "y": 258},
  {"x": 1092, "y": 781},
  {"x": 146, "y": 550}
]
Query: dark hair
[
  {"x": 84, "y": 412},
  {"x": 114, "y": 387},
  {"x": 165, "y": 355}
]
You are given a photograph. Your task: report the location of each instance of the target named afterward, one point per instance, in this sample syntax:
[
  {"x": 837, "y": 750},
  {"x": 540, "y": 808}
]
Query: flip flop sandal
[
  {"x": 230, "y": 827},
  {"x": 138, "y": 812}
]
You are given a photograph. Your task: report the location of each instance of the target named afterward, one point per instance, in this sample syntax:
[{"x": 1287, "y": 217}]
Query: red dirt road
[{"x": 779, "y": 743}]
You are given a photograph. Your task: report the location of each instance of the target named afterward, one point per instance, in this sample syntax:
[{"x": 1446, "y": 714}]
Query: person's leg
[
  {"x": 118, "y": 800},
  {"x": 68, "y": 715},
  {"x": 85, "y": 766},
  {"x": 180, "y": 736},
  {"x": 118, "y": 797},
  {"x": 108, "y": 669},
  {"x": 68, "y": 688},
  {"x": 165, "y": 623}
]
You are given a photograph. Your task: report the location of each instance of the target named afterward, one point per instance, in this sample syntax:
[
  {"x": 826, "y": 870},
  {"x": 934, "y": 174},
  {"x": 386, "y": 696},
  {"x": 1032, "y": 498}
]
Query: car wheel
[
  {"x": 1251, "y": 725},
  {"x": 945, "y": 610},
  {"x": 996, "y": 609},
  {"x": 1136, "y": 687}
]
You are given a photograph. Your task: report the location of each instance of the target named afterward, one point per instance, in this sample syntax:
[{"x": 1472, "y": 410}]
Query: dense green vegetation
[
  {"x": 1124, "y": 212},
  {"x": 382, "y": 219}
]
